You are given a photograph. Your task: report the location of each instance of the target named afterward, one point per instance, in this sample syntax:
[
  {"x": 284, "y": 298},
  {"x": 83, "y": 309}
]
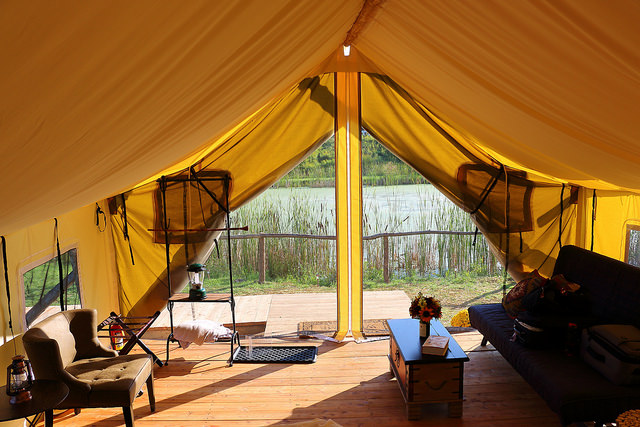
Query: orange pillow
[{"x": 512, "y": 302}]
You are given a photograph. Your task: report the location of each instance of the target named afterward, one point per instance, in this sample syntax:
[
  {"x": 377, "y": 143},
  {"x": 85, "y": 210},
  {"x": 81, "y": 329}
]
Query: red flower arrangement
[{"x": 425, "y": 308}]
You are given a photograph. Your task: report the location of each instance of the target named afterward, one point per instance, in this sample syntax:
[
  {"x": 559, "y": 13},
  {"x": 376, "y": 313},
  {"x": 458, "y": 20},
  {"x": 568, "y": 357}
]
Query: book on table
[{"x": 435, "y": 345}]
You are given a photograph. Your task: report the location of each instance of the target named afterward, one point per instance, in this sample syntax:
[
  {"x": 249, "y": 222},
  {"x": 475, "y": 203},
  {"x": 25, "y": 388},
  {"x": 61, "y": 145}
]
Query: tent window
[
  {"x": 42, "y": 287},
  {"x": 476, "y": 180},
  {"x": 632, "y": 248}
]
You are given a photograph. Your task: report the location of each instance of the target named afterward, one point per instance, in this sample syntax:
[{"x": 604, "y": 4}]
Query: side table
[
  {"x": 425, "y": 379},
  {"x": 46, "y": 395}
]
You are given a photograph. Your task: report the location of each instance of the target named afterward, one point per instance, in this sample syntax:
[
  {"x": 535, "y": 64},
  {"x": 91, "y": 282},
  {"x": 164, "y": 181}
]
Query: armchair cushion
[{"x": 115, "y": 379}]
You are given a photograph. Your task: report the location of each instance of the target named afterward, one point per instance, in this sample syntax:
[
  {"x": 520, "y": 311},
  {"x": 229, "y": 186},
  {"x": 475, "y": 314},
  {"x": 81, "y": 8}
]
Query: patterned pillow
[
  {"x": 562, "y": 285},
  {"x": 512, "y": 302}
]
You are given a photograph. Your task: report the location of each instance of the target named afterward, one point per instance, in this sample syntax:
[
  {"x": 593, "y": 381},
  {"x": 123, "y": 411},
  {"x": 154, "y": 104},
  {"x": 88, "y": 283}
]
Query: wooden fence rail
[{"x": 262, "y": 255}]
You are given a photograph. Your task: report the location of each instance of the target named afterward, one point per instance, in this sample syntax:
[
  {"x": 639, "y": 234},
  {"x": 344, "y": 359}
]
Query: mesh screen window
[{"x": 42, "y": 287}]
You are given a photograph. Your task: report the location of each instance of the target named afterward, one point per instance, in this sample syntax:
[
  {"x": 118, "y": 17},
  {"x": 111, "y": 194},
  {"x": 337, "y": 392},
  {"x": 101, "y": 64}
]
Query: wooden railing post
[
  {"x": 262, "y": 260},
  {"x": 385, "y": 258}
]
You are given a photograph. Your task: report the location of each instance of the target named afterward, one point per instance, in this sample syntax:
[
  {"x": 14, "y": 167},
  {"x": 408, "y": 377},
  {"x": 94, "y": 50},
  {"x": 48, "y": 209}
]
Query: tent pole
[
  {"x": 232, "y": 300},
  {"x": 165, "y": 225}
]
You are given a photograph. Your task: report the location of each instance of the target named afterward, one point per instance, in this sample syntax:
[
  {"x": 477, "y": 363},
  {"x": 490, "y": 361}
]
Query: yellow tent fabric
[
  {"x": 465, "y": 175},
  {"x": 348, "y": 205},
  {"x": 298, "y": 123},
  {"x": 550, "y": 85},
  {"x": 116, "y": 92},
  {"x": 534, "y": 97},
  {"x": 106, "y": 95}
]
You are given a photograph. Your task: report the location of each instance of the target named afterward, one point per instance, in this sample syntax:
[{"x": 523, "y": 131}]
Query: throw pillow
[
  {"x": 562, "y": 285},
  {"x": 512, "y": 302}
]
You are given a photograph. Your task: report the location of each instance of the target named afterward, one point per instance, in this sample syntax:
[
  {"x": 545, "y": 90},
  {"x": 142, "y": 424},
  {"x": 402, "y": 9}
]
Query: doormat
[
  {"x": 304, "y": 354},
  {"x": 371, "y": 328}
]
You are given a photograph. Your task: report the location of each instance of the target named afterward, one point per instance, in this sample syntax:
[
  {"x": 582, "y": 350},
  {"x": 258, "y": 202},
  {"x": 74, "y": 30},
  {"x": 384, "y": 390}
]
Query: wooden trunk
[{"x": 428, "y": 379}]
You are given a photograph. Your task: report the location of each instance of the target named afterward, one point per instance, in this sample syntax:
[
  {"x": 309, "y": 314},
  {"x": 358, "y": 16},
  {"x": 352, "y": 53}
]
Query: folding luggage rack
[
  {"x": 224, "y": 206},
  {"x": 132, "y": 329}
]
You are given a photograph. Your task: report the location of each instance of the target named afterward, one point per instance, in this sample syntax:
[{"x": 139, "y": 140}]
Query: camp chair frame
[
  {"x": 134, "y": 328},
  {"x": 224, "y": 298}
]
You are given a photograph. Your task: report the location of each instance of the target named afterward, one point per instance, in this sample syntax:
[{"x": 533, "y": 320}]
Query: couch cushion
[
  {"x": 612, "y": 286},
  {"x": 114, "y": 380}
]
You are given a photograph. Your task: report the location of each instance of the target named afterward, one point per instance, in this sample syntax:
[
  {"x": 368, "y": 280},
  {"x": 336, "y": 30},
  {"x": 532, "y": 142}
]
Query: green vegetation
[
  {"x": 448, "y": 267},
  {"x": 379, "y": 167}
]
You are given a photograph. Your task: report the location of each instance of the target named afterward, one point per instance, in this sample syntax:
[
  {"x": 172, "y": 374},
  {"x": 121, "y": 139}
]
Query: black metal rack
[{"x": 213, "y": 298}]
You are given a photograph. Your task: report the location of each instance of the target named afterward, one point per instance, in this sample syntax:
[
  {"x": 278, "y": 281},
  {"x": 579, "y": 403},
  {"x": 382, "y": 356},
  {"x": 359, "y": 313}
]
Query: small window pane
[{"x": 42, "y": 287}]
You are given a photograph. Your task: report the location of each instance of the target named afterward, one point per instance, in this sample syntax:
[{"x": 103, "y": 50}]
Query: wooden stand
[{"x": 425, "y": 379}]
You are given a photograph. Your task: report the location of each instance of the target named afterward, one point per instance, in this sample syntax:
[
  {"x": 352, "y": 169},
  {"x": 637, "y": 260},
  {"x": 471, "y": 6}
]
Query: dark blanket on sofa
[{"x": 573, "y": 389}]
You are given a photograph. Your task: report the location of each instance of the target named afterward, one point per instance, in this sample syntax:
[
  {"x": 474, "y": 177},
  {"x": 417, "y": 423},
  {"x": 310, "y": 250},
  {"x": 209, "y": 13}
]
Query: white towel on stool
[{"x": 199, "y": 332}]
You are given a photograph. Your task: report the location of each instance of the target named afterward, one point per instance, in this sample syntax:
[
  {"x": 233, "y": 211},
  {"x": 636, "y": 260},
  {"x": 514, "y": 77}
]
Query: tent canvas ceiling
[
  {"x": 523, "y": 100},
  {"x": 99, "y": 96}
]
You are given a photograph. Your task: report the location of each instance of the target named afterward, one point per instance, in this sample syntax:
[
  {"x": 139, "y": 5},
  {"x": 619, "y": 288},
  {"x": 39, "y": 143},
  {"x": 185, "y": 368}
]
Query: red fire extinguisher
[{"x": 116, "y": 336}]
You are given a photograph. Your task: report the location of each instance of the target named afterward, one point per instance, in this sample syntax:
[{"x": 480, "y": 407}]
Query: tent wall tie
[
  {"x": 520, "y": 241},
  {"x": 490, "y": 189},
  {"x": 561, "y": 211},
  {"x": 6, "y": 282},
  {"x": 185, "y": 217},
  {"x": 100, "y": 214},
  {"x": 209, "y": 192},
  {"x": 63, "y": 303},
  {"x": 507, "y": 199},
  {"x": 475, "y": 236},
  {"x": 125, "y": 230},
  {"x": 594, "y": 204}
]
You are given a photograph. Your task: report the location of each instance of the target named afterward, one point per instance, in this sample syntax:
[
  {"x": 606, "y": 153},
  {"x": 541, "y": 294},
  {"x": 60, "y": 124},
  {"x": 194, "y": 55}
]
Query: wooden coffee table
[{"x": 425, "y": 379}]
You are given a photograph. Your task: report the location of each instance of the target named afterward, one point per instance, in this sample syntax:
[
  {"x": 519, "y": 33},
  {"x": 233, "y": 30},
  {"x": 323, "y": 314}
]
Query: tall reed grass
[{"x": 311, "y": 261}]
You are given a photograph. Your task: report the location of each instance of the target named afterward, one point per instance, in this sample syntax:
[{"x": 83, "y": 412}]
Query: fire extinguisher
[{"x": 116, "y": 336}]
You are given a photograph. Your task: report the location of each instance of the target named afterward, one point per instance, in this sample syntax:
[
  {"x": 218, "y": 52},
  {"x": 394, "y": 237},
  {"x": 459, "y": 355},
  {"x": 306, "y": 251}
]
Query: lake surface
[{"x": 397, "y": 208}]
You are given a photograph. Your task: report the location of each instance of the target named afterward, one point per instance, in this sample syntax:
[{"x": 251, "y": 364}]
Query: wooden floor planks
[{"x": 349, "y": 383}]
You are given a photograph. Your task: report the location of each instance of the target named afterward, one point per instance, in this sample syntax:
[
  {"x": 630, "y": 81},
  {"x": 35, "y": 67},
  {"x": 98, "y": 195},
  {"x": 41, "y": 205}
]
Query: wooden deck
[{"x": 350, "y": 382}]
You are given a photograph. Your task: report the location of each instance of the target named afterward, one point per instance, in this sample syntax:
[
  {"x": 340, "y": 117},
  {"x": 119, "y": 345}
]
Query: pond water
[{"x": 396, "y": 208}]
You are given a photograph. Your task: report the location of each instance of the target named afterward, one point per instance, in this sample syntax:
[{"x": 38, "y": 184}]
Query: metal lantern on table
[
  {"x": 196, "y": 288},
  {"x": 19, "y": 380}
]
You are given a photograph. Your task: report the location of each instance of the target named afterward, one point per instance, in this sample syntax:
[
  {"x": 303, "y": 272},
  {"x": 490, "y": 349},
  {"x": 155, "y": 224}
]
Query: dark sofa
[{"x": 571, "y": 388}]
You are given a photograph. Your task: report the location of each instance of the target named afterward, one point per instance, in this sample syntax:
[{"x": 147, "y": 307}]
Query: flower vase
[{"x": 425, "y": 329}]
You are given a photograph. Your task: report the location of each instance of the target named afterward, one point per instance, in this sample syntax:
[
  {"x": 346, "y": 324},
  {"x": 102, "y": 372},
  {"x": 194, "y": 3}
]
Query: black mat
[{"x": 295, "y": 354}]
